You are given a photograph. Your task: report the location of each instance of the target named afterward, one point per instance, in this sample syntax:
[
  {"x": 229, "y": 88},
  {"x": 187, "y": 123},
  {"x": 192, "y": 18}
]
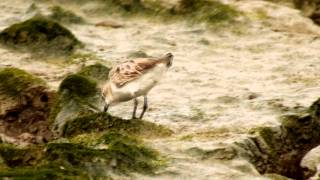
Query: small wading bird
[{"x": 134, "y": 78}]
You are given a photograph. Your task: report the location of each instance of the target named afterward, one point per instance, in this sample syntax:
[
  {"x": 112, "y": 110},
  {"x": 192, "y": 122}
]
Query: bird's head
[{"x": 169, "y": 58}]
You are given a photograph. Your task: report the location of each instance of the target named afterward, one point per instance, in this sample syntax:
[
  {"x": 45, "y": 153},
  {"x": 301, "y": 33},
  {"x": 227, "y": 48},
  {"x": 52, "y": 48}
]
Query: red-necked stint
[{"x": 134, "y": 78}]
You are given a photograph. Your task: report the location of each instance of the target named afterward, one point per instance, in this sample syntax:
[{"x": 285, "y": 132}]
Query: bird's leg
[
  {"x": 145, "y": 106},
  {"x": 135, "y": 105},
  {"x": 105, "y": 108}
]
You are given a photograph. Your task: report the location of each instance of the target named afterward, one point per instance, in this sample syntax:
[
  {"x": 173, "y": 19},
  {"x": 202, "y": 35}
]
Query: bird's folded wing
[{"x": 130, "y": 70}]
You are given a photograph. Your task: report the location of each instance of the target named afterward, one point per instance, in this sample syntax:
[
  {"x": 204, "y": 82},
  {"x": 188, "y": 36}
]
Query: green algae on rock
[
  {"x": 97, "y": 72},
  {"x": 123, "y": 154},
  {"x": 79, "y": 95},
  {"x": 41, "y": 36},
  {"x": 14, "y": 81},
  {"x": 78, "y": 85},
  {"x": 212, "y": 12},
  {"x": 281, "y": 149},
  {"x": 104, "y": 122}
]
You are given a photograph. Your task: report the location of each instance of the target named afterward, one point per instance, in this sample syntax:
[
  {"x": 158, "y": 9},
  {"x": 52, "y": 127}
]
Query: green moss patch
[
  {"x": 14, "y": 156},
  {"x": 212, "y": 12},
  {"x": 104, "y": 122},
  {"x": 42, "y": 173},
  {"x": 77, "y": 85},
  {"x": 79, "y": 95},
  {"x": 97, "y": 72},
  {"x": 196, "y": 11},
  {"x": 13, "y": 81},
  {"x": 122, "y": 154},
  {"x": 39, "y": 35}
]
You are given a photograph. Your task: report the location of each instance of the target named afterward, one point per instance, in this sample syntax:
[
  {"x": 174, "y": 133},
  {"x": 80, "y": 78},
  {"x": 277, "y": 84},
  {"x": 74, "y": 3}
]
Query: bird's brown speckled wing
[{"x": 130, "y": 70}]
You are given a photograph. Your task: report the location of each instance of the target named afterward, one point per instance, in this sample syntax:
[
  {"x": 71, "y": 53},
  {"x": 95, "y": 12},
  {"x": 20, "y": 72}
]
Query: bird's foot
[{"x": 135, "y": 118}]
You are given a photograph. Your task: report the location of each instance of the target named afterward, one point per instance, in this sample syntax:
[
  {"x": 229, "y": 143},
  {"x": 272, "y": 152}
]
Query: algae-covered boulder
[
  {"x": 281, "y": 149},
  {"x": 39, "y": 35},
  {"x": 112, "y": 153},
  {"x": 212, "y": 12},
  {"x": 103, "y": 122},
  {"x": 97, "y": 72},
  {"x": 79, "y": 95},
  {"x": 278, "y": 150},
  {"x": 25, "y": 104}
]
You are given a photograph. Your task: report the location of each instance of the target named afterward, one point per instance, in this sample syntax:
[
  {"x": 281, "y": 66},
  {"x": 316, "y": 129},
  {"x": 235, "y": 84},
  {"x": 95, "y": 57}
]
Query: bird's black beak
[{"x": 169, "y": 56}]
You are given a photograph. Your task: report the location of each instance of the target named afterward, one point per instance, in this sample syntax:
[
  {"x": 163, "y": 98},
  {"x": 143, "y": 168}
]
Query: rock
[
  {"x": 281, "y": 149},
  {"x": 27, "y": 102},
  {"x": 277, "y": 151},
  {"x": 79, "y": 95},
  {"x": 124, "y": 154},
  {"x": 41, "y": 36},
  {"x": 212, "y": 12},
  {"x": 97, "y": 72},
  {"x": 103, "y": 122}
]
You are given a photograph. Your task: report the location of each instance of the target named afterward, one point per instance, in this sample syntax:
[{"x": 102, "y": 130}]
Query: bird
[{"x": 132, "y": 79}]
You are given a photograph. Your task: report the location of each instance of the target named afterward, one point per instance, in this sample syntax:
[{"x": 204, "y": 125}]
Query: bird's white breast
[{"x": 139, "y": 86}]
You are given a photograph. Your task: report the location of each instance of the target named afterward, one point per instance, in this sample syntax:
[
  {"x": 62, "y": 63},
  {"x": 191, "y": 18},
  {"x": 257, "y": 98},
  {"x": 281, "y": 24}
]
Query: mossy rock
[
  {"x": 98, "y": 122},
  {"x": 281, "y": 149},
  {"x": 314, "y": 109},
  {"x": 212, "y": 12},
  {"x": 14, "y": 81},
  {"x": 25, "y": 104},
  {"x": 65, "y": 16},
  {"x": 78, "y": 85},
  {"x": 79, "y": 95},
  {"x": 97, "y": 72},
  {"x": 14, "y": 157},
  {"x": 41, "y": 36},
  {"x": 41, "y": 173},
  {"x": 123, "y": 154}
]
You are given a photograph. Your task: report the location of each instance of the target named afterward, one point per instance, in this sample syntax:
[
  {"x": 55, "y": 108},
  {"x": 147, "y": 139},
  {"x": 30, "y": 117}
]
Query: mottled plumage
[
  {"x": 130, "y": 70},
  {"x": 134, "y": 78}
]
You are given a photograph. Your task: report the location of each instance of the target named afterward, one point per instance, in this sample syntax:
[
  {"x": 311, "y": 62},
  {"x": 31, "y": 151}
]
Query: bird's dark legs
[
  {"x": 134, "y": 108},
  {"x": 106, "y": 107},
  {"x": 145, "y": 106}
]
